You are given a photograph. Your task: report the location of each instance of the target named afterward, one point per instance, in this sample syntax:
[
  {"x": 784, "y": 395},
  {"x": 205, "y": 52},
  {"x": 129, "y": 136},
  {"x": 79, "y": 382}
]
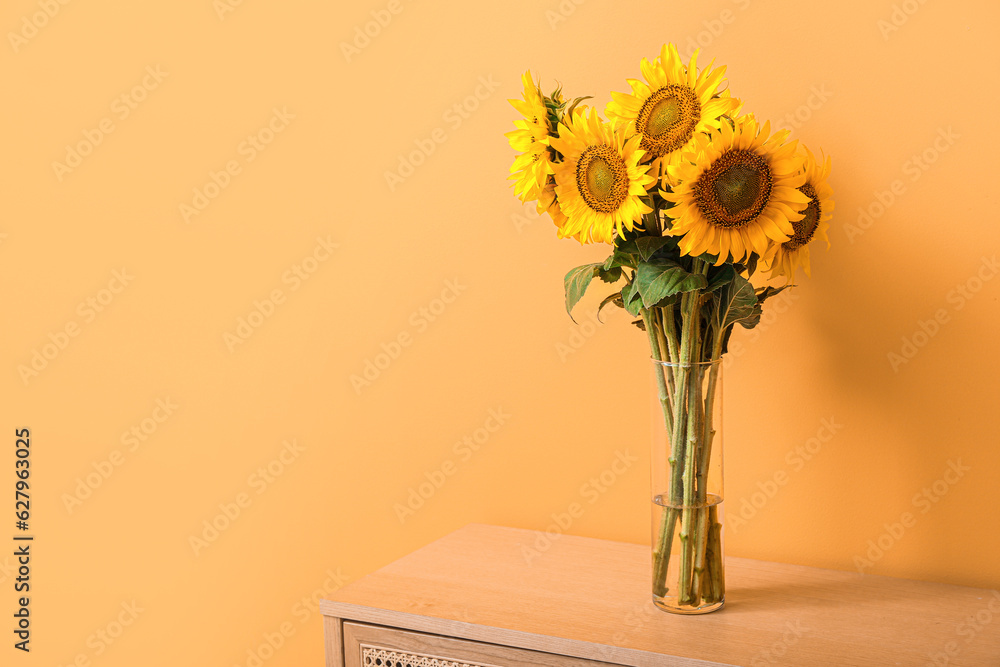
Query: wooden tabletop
[{"x": 590, "y": 599}]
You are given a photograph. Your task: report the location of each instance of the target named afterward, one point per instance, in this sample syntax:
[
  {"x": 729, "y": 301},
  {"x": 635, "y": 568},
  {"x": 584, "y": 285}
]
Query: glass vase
[{"x": 686, "y": 464}]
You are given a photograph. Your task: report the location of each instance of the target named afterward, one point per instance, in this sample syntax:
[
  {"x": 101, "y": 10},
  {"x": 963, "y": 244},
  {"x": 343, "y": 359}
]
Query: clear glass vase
[{"x": 688, "y": 564}]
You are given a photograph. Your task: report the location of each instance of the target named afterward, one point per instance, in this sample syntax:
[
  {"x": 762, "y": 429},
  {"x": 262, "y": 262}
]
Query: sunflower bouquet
[{"x": 694, "y": 197}]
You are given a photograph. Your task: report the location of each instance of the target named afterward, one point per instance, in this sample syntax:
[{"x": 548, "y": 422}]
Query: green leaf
[
  {"x": 737, "y": 302},
  {"x": 647, "y": 245},
  {"x": 620, "y": 258},
  {"x": 769, "y": 291},
  {"x": 572, "y": 107},
  {"x": 708, "y": 258},
  {"x": 758, "y": 311},
  {"x": 718, "y": 278},
  {"x": 661, "y": 277},
  {"x": 576, "y": 283},
  {"x": 754, "y": 319},
  {"x": 615, "y": 298},
  {"x": 626, "y": 246},
  {"x": 627, "y": 235},
  {"x": 725, "y": 340},
  {"x": 632, "y": 300},
  {"x": 611, "y": 275},
  {"x": 748, "y": 266}
]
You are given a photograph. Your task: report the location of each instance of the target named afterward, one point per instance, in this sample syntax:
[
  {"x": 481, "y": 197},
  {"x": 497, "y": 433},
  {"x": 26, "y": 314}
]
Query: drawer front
[{"x": 377, "y": 646}]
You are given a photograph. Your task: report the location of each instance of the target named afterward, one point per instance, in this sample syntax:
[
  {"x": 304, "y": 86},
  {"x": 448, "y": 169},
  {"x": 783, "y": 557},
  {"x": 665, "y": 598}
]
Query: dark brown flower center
[
  {"x": 735, "y": 189},
  {"x": 602, "y": 178},
  {"x": 806, "y": 227},
  {"x": 668, "y": 119}
]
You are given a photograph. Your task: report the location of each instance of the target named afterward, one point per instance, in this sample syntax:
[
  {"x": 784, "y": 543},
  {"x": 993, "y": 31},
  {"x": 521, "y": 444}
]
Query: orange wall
[{"x": 461, "y": 285}]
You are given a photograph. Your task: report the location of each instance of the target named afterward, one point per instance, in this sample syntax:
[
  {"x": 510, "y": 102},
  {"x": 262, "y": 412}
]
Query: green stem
[
  {"x": 670, "y": 330},
  {"x": 669, "y": 338},
  {"x": 709, "y": 432},
  {"x": 714, "y": 589},
  {"x": 709, "y": 569},
  {"x": 690, "y": 533},
  {"x": 686, "y": 405},
  {"x": 668, "y": 518},
  {"x": 652, "y": 220},
  {"x": 663, "y": 383},
  {"x": 661, "y": 553},
  {"x": 714, "y": 584},
  {"x": 700, "y": 569},
  {"x": 665, "y": 371}
]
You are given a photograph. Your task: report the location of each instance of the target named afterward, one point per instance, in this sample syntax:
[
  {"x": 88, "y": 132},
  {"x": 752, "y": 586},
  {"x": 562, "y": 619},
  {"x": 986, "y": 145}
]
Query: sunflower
[
  {"x": 531, "y": 138},
  {"x": 547, "y": 203},
  {"x": 737, "y": 191},
  {"x": 674, "y": 104},
  {"x": 599, "y": 183},
  {"x": 783, "y": 258}
]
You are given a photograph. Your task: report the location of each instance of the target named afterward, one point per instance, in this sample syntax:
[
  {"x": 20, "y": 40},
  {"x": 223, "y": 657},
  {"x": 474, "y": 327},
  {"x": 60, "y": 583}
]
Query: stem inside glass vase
[{"x": 688, "y": 565}]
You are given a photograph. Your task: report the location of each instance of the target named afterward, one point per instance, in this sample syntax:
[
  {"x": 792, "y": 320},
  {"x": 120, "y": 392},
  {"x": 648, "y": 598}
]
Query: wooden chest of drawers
[{"x": 486, "y": 596}]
